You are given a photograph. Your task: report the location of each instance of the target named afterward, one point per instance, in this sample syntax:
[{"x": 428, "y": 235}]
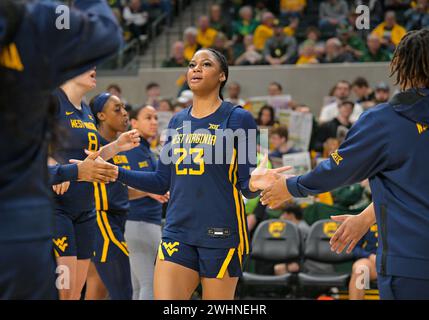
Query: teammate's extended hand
[
  {"x": 128, "y": 140},
  {"x": 159, "y": 197},
  {"x": 95, "y": 169},
  {"x": 61, "y": 188},
  {"x": 351, "y": 230},
  {"x": 261, "y": 178},
  {"x": 276, "y": 194}
]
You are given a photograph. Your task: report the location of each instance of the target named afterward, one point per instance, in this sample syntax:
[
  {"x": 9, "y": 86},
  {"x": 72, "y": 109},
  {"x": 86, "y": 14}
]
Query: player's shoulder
[
  {"x": 240, "y": 116},
  {"x": 179, "y": 117}
]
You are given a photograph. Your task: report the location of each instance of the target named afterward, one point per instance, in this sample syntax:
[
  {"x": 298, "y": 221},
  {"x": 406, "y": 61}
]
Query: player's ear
[
  {"x": 101, "y": 116},
  {"x": 222, "y": 77},
  {"x": 133, "y": 123}
]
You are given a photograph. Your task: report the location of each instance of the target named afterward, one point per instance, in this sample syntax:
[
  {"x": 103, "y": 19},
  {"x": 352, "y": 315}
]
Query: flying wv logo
[
  {"x": 421, "y": 128},
  {"x": 171, "y": 247},
  {"x": 61, "y": 243}
]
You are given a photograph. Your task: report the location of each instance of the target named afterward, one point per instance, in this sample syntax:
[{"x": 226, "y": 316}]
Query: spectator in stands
[
  {"x": 312, "y": 33},
  {"x": 185, "y": 98},
  {"x": 335, "y": 53},
  {"x": 363, "y": 92},
  {"x": 221, "y": 45},
  {"x": 165, "y": 105},
  {"x": 246, "y": 25},
  {"x": 178, "y": 107},
  {"x": 234, "y": 90},
  {"x": 389, "y": 32},
  {"x": 351, "y": 42},
  {"x": 291, "y": 9},
  {"x": 264, "y": 31},
  {"x": 275, "y": 89},
  {"x": 374, "y": 52},
  {"x": 375, "y": 10},
  {"x": 365, "y": 254},
  {"x": 290, "y": 29},
  {"x": 153, "y": 94},
  {"x": 279, "y": 140},
  {"x": 216, "y": 20},
  {"x": 307, "y": 53},
  {"x": 135, "y": 19},
  {"x": 280, "y": 49},
  {"x": 250, "y": 56},
  {"x": 293, "y": 213},
  {"x": 418, "y": 17},
  {"x": 331, "y": 14},
  {"x": 337, "y": 127},
  {"x": 117, "y": 8},
  {"x": 177, "y": 59},
  {"x": 206, "y": 34},
  {"x": 341, "y": 93},
  {"x": 266, "y": 117},
  {"x": 382, "y": 93},
  {"x": 190, "y": 42}
]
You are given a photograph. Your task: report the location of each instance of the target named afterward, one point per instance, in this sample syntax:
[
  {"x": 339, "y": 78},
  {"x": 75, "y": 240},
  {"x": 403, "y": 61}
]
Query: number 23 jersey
[{"x": 77, "y": 132}]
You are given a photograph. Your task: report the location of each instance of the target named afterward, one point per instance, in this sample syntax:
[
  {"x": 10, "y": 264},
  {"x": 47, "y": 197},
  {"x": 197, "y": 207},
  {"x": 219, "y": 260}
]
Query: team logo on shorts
[
  {"x": 170, "y": 247},
  {"x": 61, "y": 243},
  {"x": 276, "y": 228},
  {"x": 329, "y": 228}
]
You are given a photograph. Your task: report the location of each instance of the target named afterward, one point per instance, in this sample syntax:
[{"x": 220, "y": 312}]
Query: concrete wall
[{"x": 306, "y": 84}]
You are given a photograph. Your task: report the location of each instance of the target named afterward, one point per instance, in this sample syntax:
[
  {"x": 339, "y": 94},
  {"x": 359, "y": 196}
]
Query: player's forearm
[
  {"x": 61, "y": 173},
  {"x": 109, "y": 151},
  {"x": 134, "y": 194},
  {"x": 152, "y": 182}
]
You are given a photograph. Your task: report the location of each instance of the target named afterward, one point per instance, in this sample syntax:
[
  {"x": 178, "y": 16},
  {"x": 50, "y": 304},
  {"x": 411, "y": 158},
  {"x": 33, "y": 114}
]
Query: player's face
[
  {"x": 87, "y": 80},
  {"x": 204, "y": 73},
  {"x": 146, "y": 123},
  {"x": 114, "y": 115}
]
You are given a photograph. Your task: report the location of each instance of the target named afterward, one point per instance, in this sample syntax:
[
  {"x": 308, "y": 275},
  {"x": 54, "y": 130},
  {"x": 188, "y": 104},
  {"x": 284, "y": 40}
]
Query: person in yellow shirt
[
  {"x": 389, "y": 32},
  {"x": 290, "y": 30},
  {"x": 264, "y": 31},
  {"x": 291, "y": 9},
  {"x": 206, "y": 35},
  {"x": 307, "y": 53},
  {"x": 190, "y": 42}
]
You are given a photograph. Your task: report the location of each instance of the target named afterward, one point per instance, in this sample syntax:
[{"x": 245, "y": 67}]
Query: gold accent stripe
[
  {"x": 225, "y": 263},
  {"x": 105, "y": 237},
  {"x": 104, "y": 197},
  {"x": 96, "y": 196},
  {"x": 112, "y": 235},
  {"x": 160, "y": 253},
  {"x": 237, "y": 202},
  {"x": 244, "y": 225}
]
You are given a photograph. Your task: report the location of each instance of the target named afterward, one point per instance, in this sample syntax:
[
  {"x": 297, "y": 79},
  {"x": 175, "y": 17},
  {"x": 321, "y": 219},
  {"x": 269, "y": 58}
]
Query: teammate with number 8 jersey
[{"x": 75, "y": 224}]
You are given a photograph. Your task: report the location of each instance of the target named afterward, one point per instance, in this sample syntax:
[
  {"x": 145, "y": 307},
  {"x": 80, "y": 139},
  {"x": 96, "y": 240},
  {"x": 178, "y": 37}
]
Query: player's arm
[
  {"x": 126, "y": 141},
  {"x": 92, "y": 36},
  {"x": 61, "y": 173},
  {"x": 363, "y": 153},
  {"x": 134, "y": 194}
]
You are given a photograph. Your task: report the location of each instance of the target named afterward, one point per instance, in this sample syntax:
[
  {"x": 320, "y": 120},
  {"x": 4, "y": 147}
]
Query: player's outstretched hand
[
  {"x": 61, "y": 188},
  {"x": 276, "y": 194},
  {"x": 128, "y": 140},
  {"x": 262, "y": 177},
  {"x": 159, "y": 197},
  {"x": 351, "y": 230},
  {"x": 95, "y": 169}
]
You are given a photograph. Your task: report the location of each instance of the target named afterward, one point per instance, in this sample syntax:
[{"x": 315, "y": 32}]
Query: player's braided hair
[
  {"x": 223, "y": 66},
  {"x": 410, "y": 60}
]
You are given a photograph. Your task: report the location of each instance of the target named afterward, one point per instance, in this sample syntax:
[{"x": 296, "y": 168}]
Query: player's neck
[
  {"x": 202, "y": 106},
  {"x": 107, "y": 133},
  {"x": 74, "y": 93}
]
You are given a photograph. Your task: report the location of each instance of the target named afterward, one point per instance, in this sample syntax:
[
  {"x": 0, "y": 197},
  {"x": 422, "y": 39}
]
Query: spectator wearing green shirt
[
  {"x": 246, "y": 25},
  {"x": 374, "y": 52},
  {"x": 352, "y": 43}
]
